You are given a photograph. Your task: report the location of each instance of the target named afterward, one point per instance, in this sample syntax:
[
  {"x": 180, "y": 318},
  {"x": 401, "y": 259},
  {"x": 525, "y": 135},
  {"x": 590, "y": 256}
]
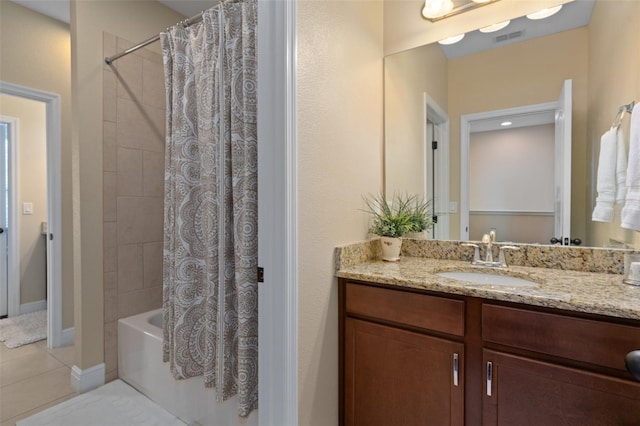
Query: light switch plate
[
  {"x": 453, "y": 207},
  {"x": 27, "y": 208}
]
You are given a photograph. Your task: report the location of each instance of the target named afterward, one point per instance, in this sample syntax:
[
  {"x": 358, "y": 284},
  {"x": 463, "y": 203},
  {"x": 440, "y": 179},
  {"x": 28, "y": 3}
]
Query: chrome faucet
[{"x": 488, "y": 240}]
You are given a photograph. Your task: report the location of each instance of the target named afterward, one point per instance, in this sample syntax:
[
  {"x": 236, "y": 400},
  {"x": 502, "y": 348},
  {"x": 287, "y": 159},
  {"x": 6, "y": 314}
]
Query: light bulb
[
  {"x": 452, "y": 40},
  {"x": 436, "y": 8},
  {"x": 494, "y": 27},
  {"x": 544, "y": 13}
]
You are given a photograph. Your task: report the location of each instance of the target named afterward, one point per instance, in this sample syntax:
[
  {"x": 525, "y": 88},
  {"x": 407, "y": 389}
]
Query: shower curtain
[{"x": 210, "y": 295}]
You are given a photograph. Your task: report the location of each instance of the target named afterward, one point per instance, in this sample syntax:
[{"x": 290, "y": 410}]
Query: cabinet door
[
  {"x": 396, "y": 377},
  {"x": 520, "y": 391}
]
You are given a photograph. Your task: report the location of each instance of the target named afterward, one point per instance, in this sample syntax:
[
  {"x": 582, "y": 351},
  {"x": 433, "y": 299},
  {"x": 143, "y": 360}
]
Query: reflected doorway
[
  {"x": 494, "y": 204},
  {"x": 436, "y": 172}
]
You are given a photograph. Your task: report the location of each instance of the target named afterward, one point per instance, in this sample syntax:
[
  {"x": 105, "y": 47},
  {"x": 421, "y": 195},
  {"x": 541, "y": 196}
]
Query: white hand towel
[
  {"x": 606, "y": 179},
  {"x": 621, "y": 167},
  {"x": 631, "y": 210}
]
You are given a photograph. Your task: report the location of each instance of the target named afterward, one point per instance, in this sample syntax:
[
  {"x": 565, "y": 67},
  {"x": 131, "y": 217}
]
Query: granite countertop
[{"x": 588, "y": 292}]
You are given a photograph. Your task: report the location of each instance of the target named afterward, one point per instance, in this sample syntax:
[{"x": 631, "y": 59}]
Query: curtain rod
[{"x": 109, "y": 60}]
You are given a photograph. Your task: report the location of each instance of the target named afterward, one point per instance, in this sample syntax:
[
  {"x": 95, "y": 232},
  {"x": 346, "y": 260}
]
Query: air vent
[{"x": 510, "y": 36}]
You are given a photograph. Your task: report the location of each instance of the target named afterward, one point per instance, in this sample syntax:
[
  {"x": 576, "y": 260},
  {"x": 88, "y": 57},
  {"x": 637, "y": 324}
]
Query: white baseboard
[
  {"x": 27, "y": 308},
  {"x": 68, "y": 336},
  {"x": 85, "y": 380}
]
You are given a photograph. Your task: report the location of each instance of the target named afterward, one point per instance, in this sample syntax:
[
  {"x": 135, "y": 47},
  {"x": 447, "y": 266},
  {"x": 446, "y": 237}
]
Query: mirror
[{"x": 431, "y": 88}]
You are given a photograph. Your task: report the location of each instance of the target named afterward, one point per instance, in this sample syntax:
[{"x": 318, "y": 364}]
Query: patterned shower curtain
[{"x": 210, "y": 300}]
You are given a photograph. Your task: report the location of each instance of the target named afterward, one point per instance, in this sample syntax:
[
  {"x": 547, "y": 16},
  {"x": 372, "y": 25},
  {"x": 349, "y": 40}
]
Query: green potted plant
[
  {"x": 421, "y": 217},
  {"x": 391, "y": 219}
]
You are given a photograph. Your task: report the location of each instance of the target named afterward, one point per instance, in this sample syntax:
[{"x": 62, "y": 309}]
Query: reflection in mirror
[
  {"x": 511, "y": 184},
  {"x": 509, "y": 74},
  {"x": 527, "y": 192}
]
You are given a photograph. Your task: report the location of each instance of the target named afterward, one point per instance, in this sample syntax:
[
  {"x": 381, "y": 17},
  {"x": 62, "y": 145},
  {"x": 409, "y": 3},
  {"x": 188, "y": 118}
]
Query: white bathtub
[{"x": 140, "y": 364}]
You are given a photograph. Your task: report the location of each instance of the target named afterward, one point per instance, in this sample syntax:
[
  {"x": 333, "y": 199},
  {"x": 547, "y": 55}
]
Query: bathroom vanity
[{"x": 419, "y": 348}]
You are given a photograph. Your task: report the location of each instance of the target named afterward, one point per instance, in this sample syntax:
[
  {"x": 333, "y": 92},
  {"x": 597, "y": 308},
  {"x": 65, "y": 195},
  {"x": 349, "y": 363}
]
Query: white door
[
  {"x": 430, "y": 172},
  {"x": 562, "y": 209},
  {"x": 6, "y": 131},
  {"x": 437, "y": 166}
]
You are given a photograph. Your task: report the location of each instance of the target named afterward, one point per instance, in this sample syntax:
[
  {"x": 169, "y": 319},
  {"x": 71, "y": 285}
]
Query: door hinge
[
  {"x": 434, "y": 219},
  {"x": 434, "y": 145},
  {"x": 260, "y": 274}
]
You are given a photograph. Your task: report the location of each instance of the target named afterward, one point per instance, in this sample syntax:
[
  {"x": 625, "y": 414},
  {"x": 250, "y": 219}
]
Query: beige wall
[
  {"x": 525, "y": 73},
  {"x": 32, "y": 188},
  {"x": 31, "y": 43},
  {"x": 131, "y": 20},
  {"x": 339, "y": 95},
  {"x": 405, "y": 28},
  {"x": 518, "y": 162},
  {"x": 614, "y": 79},
  {"x": 407, "y": 76}
]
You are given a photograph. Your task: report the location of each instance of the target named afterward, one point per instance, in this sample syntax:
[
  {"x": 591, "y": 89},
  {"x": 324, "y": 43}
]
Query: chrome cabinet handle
[
  {"x": 455, "y": 369},
  {"x": 489, "y": 377}
]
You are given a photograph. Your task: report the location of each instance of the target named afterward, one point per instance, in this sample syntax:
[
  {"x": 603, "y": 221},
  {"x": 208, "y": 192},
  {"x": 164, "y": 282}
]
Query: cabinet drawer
[
  {"x": 595, "y": 342},
  {"x": 418, "y": 310}
]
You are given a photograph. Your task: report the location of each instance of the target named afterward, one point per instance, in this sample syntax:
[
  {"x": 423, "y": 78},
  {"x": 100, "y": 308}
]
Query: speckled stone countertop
[{"x": 601, "y": 293}]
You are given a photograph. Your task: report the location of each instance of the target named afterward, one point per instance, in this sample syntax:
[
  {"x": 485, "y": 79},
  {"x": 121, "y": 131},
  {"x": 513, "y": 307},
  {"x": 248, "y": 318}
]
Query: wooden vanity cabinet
[
  {"x": 398, "y": 377},
  {"x": 526, "y": 392},
  {"x": 392, "y": 370},
  {"x": 529, "y": 374},
  {"x": 517, "y": 365}
]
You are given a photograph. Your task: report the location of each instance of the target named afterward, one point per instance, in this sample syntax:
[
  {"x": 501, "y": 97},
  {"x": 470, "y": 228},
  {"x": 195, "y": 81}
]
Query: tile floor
[{"x": 33, "y": 378}]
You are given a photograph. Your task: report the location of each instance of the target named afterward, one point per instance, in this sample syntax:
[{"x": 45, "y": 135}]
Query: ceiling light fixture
[
  {"x": 435, "y": 10},
  {"x": 506, "y": 123},
  {"x": 494, "y": 27},
  {"x": 544, "y": 13},
  {"x": 452, "y": 40}
]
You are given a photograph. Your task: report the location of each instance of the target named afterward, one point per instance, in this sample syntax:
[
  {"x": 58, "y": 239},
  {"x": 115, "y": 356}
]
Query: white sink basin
[{"x": 489, "y": 279}]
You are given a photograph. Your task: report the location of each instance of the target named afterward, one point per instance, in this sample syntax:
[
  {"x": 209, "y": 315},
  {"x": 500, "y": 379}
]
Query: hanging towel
[
  {"x": 621, "y": 167},
  {"x": 631, "y": 210},
  {"x": 607, "y": 180}
]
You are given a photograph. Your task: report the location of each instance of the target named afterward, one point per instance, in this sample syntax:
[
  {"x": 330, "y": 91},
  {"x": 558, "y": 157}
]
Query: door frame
[
  {"x": 465, "y": 135},
  {"x": 54, "y": 200},
  {"x": 277, "y": 214},
  {"x": 13, "y": 240},
  {"x": 440, "y": 119}
]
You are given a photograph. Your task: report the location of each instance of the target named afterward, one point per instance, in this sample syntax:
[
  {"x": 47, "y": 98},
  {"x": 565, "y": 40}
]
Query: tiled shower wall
[{"x": 133, "y": 167}]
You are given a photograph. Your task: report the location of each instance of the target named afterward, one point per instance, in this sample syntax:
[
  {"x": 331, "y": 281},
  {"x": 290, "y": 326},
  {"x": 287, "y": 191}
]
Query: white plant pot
[{"x": 391, "y": 248}]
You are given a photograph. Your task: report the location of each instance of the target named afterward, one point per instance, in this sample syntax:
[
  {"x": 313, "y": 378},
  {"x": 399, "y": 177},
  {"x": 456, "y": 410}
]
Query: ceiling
[
  {"x": 516, "y": 120},
  {"x": 59, "y": 9},
  {"x": 573, "y": 15}
]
